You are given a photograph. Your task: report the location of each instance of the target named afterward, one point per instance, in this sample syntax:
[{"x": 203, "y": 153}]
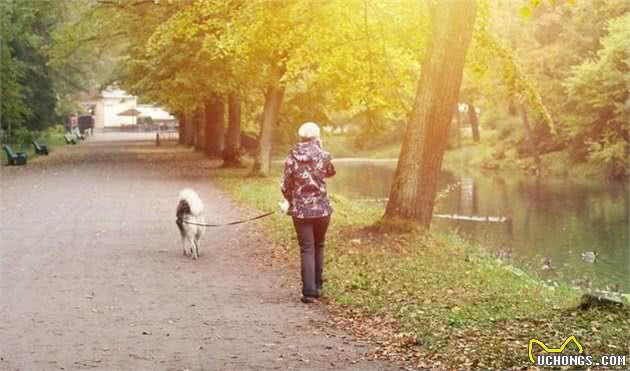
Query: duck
[
  {"x": 589, "y": 256},
  {"x": 583, "y": 283},
  {"x": 504, "y": 253}
]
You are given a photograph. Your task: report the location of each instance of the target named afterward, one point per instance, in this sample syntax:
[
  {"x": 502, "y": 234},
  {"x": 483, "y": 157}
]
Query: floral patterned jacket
[{"x": 304, "y": 180}]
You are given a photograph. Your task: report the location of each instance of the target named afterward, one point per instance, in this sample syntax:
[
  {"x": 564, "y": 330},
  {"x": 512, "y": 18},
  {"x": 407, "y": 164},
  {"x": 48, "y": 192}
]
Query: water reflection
[{"x": 551, "y": 218}]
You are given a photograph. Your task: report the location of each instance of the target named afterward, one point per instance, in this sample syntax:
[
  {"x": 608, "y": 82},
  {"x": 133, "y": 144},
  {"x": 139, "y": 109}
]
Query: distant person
[{"x": 304, "y": 187}]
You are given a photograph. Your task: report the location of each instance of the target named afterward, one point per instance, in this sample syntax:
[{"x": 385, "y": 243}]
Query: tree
[
  {"x": 598, "y": 96},
  {"x": 201, "y": 134},
  {"x": 474, "y": 121},
  {"x": 27, "y": 94},
  {"x": 551, "y": 40},
  {"x": 189, "y": 128},
  {"x": 215, "y": 126},
  {"x": 273, "y": 101},
  {"x": 198, "y": 39},
  {"x": 533, "y": 147},
  {"x": 231, "y": 154},
  {"x": 414, "y": 186},
  {"x": 272, "y": 38},
  {"x": 181, "y": 122}
]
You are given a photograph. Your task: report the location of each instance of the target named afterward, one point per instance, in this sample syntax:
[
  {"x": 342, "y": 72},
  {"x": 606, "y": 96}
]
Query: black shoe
[{"x": 307, "y": 299}]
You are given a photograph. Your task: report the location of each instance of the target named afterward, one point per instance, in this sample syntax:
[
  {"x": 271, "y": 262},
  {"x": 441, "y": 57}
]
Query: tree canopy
[{"x": 342, "y": 63}]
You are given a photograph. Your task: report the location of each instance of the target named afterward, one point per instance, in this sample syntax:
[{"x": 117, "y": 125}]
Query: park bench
[
  {"x": 76, "y": 133},
  {"x": 16, "y": 159},
  {"x": 70, "y": 139},
  {"x": 40, "y": 149}
]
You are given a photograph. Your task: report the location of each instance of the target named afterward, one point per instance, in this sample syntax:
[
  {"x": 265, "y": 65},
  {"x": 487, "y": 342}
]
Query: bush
[
  {"x": 55, "y": 130},
  {"x": 22, "y": 136},
  {"x": 612, "y": 155}
]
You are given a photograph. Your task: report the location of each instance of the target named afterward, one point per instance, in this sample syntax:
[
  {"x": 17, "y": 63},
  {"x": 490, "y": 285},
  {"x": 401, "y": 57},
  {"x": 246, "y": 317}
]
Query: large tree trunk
[
  {"x": 215, "y": 126},
  {"x": 530, "y": 138},
  {"x": 413, "y": 190},
  {"x": 273, "y": 101},
  {"x": 189, "y": 129},
  {"x": 199, "y": 130},
  {"x": 231, "y": 154},
  {"x": 474, "y": 122}
]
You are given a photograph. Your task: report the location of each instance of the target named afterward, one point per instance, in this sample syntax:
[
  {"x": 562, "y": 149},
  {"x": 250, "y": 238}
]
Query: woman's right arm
[
  {"x": 330, "y": 168},
  {"x": 286, "y": 185}
]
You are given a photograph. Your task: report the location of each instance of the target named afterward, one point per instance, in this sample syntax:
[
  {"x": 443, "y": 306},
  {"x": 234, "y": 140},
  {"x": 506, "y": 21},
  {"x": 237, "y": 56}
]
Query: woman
[{"x": 304, "y": 187}]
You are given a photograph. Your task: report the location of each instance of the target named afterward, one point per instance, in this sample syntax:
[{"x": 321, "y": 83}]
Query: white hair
[
  {"x": 309, "y": 130},
  {"x": 193, "y": 200}
]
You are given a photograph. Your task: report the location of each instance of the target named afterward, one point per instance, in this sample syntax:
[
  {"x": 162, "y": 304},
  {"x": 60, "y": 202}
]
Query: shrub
[{"x": 22, "y": 136}]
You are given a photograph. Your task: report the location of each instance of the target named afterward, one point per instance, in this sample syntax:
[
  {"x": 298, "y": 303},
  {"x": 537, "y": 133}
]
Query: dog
[{"x": 190, "y": 209}]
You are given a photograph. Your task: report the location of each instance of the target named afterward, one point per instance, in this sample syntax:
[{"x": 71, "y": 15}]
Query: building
[
  {"x": 108, "y": 104},
  {"x": 156, "y": 113}
]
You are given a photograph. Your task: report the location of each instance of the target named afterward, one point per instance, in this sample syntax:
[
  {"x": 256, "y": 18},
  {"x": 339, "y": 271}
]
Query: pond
[{"x": 552, "y": 221}]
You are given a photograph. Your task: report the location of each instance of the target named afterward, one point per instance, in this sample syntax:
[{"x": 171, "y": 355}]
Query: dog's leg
[
  {"x": 191, "y": 243},
  {"x": 197, "y": 248},
  {"x": 197, "y": 238},
  {"x": 184, "y": 244}
]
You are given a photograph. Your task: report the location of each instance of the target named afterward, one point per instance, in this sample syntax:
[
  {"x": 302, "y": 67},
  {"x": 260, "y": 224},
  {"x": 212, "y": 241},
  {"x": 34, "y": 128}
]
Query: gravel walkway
[{"x": 92, "y": 275}]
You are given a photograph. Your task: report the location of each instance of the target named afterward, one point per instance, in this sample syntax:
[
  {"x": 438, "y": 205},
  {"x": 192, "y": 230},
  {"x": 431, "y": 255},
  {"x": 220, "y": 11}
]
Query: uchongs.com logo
[{"x": 553, "y": 357}]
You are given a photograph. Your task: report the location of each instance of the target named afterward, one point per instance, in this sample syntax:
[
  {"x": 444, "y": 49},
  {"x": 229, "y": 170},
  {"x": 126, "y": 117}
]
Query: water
[{"x": 551, "y": 218}]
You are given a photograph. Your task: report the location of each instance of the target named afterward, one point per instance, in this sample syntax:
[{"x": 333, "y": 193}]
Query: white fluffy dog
[{"x": 190, "y": 209}]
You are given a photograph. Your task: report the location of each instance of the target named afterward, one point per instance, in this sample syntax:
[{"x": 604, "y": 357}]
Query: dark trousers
[{"x": 311, "y": 234}]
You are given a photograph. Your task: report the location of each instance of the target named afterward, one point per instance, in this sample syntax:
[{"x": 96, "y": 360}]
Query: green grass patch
[{"x": 457, "y": 303}]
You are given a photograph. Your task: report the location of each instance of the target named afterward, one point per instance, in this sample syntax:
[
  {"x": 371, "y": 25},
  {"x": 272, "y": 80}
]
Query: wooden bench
[
  {"x": 16, "y": 159},
  {"x": 70, "y": 139},
  {"x": 40, "y": 149}
]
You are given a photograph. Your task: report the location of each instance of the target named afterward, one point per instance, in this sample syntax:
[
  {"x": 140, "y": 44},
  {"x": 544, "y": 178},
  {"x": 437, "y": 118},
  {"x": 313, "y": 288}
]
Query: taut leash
[{"x": 225, "y": 224}]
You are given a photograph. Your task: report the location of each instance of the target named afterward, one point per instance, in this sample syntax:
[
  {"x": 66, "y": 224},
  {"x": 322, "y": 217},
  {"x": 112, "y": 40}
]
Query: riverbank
[
  {"x": 488, "y": 154},
  {"x": 427, "y": 299}
]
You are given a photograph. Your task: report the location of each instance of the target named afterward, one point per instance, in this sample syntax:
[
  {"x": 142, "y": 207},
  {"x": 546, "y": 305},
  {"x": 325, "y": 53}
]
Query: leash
[{"x": 225, "y": 224}]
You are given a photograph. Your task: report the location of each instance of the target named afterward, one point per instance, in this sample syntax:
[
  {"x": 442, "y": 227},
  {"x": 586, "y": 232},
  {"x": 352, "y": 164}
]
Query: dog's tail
[{"x": 191, "y": 200}]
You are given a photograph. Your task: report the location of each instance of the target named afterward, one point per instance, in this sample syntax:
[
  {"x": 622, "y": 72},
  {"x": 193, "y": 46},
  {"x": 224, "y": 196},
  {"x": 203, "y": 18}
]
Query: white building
[
  {"x": 155, "y": 112},
  {"x": 109, "y": 103}
]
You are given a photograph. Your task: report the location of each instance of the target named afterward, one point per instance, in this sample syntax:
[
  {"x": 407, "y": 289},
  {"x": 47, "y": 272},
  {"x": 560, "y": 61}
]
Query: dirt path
[{"x": 92, "y": 275}]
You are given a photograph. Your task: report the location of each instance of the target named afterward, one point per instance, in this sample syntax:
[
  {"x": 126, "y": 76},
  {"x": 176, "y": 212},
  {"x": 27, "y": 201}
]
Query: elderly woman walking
[{"x": 304, "y": 187}]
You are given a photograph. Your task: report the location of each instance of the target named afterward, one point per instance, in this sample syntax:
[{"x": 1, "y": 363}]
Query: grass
[{"x": 433, "y": 298}]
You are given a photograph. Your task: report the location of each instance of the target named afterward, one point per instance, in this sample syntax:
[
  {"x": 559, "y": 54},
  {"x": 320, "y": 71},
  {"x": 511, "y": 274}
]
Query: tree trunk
[
  {"x": 231, "y": 154},
  {"x": 180, "y": 127},
  {"x": 273, "y": 101},
  {"x": 458, "y": 117},
  {"x": 189, "y": 129},
  {"x": 413, "y": 190},
  {"x": 199, "y": 130},
  {"x": 215, "y": 126},
  {"x": 474, "y": 122},
  {"x": 532, "y": 144}
]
